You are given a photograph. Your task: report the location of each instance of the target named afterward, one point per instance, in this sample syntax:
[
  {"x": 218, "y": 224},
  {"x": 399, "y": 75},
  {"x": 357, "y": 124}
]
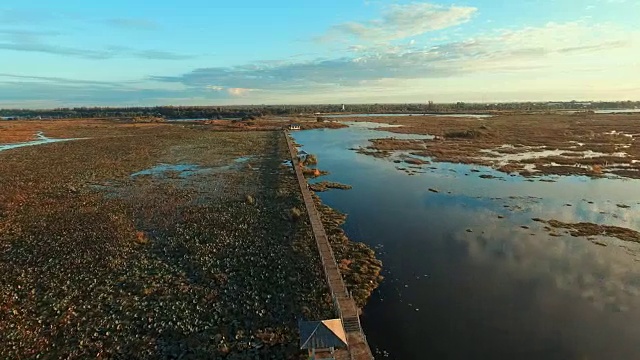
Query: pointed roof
[{"x": 322, "y": 334}]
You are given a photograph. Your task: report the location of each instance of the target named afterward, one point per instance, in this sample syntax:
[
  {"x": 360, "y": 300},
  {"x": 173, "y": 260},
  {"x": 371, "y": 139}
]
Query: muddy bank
[
  {"x": 192, "y": 264},
  {"x": 313, "y": 172},
  {"x": 584, "y": 229},
  {"x": 357, "y": 262},
  {"x": 326, "y": 185},
  {"x": 530, "y": 144}
]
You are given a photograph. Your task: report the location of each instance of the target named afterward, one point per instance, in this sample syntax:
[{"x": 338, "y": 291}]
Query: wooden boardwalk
[{"x": 345, "y": 305}]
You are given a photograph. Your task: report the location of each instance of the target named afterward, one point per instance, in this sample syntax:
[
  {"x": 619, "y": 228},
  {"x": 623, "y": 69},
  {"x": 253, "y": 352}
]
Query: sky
[{"x": 220, "y": 52}]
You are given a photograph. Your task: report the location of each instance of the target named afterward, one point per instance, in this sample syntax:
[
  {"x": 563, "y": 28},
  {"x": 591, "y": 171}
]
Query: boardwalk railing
[{"x": 342, "y": 299}]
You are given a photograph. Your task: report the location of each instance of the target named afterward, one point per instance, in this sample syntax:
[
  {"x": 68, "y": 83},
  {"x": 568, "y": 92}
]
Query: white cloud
[
  {"x": 31, "y": 41},
  {"x": 232, "y": 91},
  {"x": 556, "y": 61},
  {"x": 605, "y": 278},
  {"x": 403, "y": 21},
  {"x": 570, "y": 47},
  {"x": 238, "y": 91}
]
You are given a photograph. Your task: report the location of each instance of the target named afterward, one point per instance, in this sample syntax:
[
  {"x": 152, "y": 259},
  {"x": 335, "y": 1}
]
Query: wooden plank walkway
[{"x": 345, "y": 305}]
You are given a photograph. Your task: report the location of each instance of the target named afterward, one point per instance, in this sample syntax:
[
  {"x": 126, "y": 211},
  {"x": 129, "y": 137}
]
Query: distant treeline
[{"x": 225, "y": 112}]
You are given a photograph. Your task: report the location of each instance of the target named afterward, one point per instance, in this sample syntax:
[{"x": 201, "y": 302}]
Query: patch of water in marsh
[
  {"x": 469, "y": 274},
  {"x": 184, "y": 171},
  {"x": 339, "y": 116},
  {"x": 617, "y": 111},
  {"x": 41, "y": 140},
  {"x": 242, "y": 159},
  {"x": 209, "y": 182},
  {"x": 503, "y": 158},
  {"x": 604, "y": 111}
]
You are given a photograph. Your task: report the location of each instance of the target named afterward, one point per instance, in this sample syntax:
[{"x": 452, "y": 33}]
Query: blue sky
[{"x": 203, "y": 52}]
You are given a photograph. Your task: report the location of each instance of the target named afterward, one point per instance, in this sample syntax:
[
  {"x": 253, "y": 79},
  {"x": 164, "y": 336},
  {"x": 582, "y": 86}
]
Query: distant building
[
  {"x": 294, "y": 127},
  {"x": 344, "y": 108},
  {"x": 321, "y": 338}
]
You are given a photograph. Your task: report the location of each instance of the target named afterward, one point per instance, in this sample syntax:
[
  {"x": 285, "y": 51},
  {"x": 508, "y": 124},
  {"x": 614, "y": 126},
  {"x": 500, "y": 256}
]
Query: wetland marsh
[
  {"x": 151, "y": 241},
  {"x": 483, "y": 263}
]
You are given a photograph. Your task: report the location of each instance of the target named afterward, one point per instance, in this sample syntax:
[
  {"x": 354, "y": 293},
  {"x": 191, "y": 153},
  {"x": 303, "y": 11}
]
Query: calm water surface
[
  {"x": 462, "y": 283},
  {"x": 478, "y": 116},
  {"x": 40, "y": 140},
  {"x": 617, "y": 111}
]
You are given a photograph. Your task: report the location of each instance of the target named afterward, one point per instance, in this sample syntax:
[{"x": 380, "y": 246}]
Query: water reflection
[{"x": 469, "y": 275}]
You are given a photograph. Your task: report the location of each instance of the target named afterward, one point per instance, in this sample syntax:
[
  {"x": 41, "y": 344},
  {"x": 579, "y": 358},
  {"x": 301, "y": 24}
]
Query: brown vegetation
[
  {"x": 266, "y": 124},
  {"x": 313, "y": 172},
  {"x": 99, "y": 264},
  {"x": 326, "y": 185},
  {"x": 462, "y": 140},
  {"x": 295, "y": 214},
  {"x": 22, "y": 131},
  {"x": 462, "y": 134},
  {"x": 414, "y": 161},
  {"x": 589, "y": 229},
  {"x": 390, "y": 144},
  {"x": 309, "y": 159}
]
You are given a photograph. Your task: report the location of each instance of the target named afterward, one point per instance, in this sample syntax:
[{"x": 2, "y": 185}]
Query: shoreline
[
  {"x": 359, "y": 266},
  {"x": 411, "y": 154},
  {"x": 357, "y": 262}
]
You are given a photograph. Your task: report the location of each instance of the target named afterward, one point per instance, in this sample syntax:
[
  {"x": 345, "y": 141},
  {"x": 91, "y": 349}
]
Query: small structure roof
[{"x": 322, "y": 334}]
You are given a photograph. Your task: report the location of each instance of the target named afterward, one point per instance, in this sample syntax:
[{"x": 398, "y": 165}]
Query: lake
[
  {"x": 617, "y": 111},
  {"x": 342, "y": 116},
  {"x": 605, "y": 111},
  {"x": 469, "y": 275}
]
